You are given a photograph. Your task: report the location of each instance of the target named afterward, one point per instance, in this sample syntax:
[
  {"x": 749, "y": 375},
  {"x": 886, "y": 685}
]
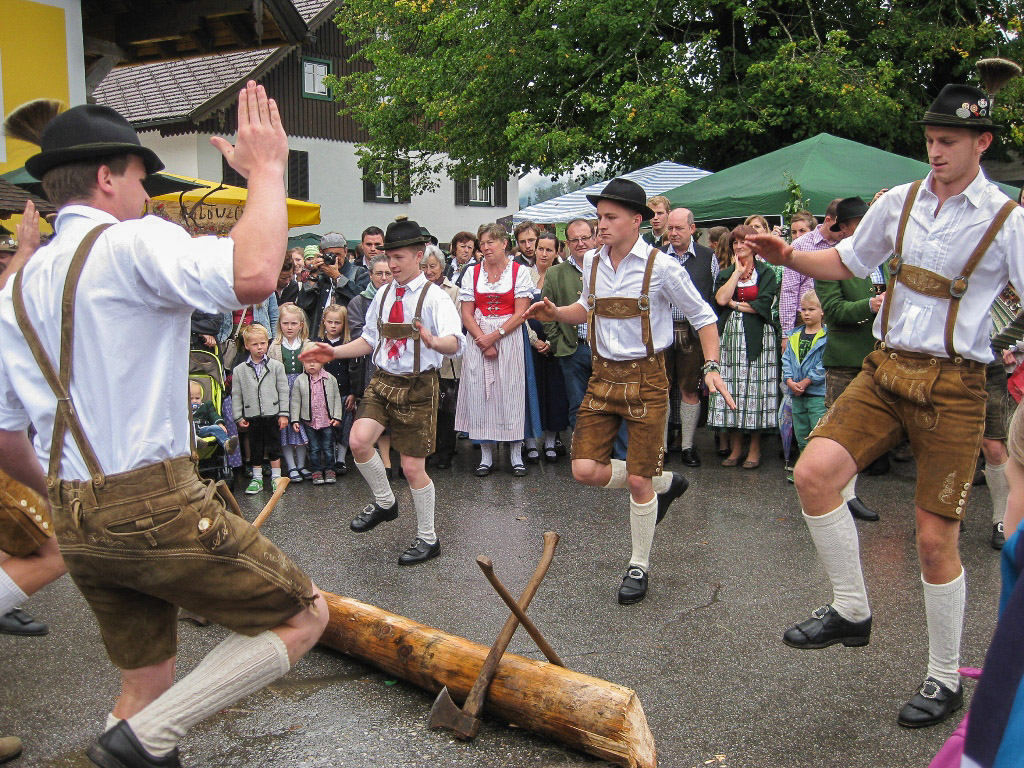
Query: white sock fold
[
  {"x": 998, "y": 488},
  {"x": 111, "y": 722},
  {"x": 423, "y": 502},
  {"x": 11, "y": 595},
  {"x": 620, "y": 477},
  {"x": 835, "y": 537},
  {"x": 689, "y": 413},
  {"x": 662, "y": 482},
  {"x": 850, "y": 489},
  {"x": 239, "y": 666},
  {"x": 944, "y": 609},
  {"x": 642, "y": 519},
  {"x": 376, "y": 477},
  {"x": 515, "y": 452},
  {"x": 487, "y": 454}
]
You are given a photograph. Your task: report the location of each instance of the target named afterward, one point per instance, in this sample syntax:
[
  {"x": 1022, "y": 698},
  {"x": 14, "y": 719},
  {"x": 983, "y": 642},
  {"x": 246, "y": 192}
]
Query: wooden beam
[
  {"x": 94, "y": 46},
  {"x": 242, "y": 29},
  {"x": 171, "y": 22},
  {"x": 98, "y": 70},
  {"x": 202, "y": 37}
]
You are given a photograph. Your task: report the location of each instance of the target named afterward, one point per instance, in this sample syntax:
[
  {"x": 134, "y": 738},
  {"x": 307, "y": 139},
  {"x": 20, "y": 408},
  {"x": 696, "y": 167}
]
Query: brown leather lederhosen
[{"x": 142, "y": 542}]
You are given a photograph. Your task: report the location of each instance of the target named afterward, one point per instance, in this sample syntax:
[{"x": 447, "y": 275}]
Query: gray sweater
[
  {"x": 266, "y": 396},
  {"x": 301, "y": 398}
]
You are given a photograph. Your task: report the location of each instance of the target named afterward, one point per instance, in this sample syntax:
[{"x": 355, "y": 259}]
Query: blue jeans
[
  {"x": 213, "y": 430},
  {"x": 321, "y": 448},
  {"x": 576, "y": 368}
]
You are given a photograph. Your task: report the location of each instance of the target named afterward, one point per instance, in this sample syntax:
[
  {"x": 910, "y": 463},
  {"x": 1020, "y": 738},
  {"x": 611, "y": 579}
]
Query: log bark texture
[{"x": 597, "y": 717}]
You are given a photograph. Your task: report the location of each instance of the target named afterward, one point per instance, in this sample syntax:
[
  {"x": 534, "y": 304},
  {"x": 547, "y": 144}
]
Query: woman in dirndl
[
  {"x": 492, "y": 394},
  {"x": 745, "y": 292}
]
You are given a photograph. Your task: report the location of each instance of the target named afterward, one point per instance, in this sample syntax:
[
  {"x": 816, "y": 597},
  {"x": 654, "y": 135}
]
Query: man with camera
[{"x": 333, "y": 279}]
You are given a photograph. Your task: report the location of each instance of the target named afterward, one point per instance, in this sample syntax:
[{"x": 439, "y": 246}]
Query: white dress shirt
[
  {"x": 940, "y": 241},
  {"x": 439, "y": 317},
  {"x": 135, "y": 300},
  {"x": 670, "y": 286}
]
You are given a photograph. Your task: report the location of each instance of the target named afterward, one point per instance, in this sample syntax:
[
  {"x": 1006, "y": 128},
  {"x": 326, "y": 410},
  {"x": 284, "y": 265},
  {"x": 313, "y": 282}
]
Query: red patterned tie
[{"x": 397, "y": 315}]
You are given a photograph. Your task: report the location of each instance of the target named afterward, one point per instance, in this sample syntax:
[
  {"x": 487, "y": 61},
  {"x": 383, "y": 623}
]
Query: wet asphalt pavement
[{"x": 732, "y": 568}]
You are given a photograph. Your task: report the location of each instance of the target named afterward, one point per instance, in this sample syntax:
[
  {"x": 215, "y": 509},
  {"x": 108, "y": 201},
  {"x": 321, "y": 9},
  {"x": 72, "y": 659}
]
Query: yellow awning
[{"x": 215, "y": 207}]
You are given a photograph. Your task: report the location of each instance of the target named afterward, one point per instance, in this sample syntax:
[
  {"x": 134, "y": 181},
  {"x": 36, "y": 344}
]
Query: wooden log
[{"x": 589, "y": 714}]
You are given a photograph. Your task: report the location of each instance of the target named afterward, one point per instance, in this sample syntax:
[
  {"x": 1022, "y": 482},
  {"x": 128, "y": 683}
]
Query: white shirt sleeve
[
  {"x": 1012, "y": 234},
  {"x": 875, "y": 238},
  {"x": 684, "y": 295},
  {"x": 446, "y": 318},
  {"x": 13, "y": 416},
  {"x": 524, "y": 287},
  {"x": 171, "y": 269},
  {"x": 369, "y": 334},
  {"x": 588, "y": 260},
  {"x": 466, "y": 288}
]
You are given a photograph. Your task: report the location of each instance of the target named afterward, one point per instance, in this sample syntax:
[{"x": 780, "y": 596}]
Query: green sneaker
[
  {"x": 255, "y": 486},
  {"x": 274, "y": 483}
]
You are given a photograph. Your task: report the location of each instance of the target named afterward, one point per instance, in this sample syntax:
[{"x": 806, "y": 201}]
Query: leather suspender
[
  {"x": 929, "y": 283},
  {"x": 65, "y": 417},
  {"x": 621, "y": 308},
  {"x": 397, "y": 331}
]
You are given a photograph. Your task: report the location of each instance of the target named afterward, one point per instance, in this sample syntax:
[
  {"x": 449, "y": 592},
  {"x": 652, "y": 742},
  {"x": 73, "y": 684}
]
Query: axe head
[{"x": 445, "y": 714}]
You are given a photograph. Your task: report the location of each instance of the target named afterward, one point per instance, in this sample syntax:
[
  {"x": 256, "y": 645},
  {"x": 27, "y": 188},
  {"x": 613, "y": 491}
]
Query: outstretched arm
[
  {"x": 325, "y": 353},
  {"x": 546, "y": 311},
  {"x": 821, "y": 265}
]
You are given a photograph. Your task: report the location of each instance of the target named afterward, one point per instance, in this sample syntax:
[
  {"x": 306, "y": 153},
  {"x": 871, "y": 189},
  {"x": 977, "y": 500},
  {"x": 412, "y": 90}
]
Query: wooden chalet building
[{"x": 177, "y": 105}]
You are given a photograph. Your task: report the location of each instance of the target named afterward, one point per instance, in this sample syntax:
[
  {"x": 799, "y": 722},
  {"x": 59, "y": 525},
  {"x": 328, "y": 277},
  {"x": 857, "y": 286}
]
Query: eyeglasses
[{"x": 580, "y": 240}]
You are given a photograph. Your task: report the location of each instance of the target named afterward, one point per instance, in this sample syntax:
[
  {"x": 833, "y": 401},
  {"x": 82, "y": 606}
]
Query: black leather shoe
[
  {"x": 17, "y": 622},
  {"x": 483, "y": 470},
  {"x": 860, "y": 511},
  {"x": 998, "y": 535},
  {"x": 119, "y": 748},
  {"x": 826, "y": 627},
  {"x": 519, "y": 470},
  {"x": 372, "y": 516},
  {"x": 676, "y": 489},
  {"x": 932, "y": 704},
  {"x": 420, "y": 552},
  {"x": 340, "y": 468},
  {"x": 634, "y": 586},
  {"x": 445, "y": 462},
  {"x": 532, "y": 456},
  {"x": 690, "y": 458}
]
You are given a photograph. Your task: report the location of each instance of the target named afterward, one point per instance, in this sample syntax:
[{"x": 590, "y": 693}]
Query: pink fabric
[
  {"x": 319, "y": 417},
  {"x": 952, "y": 751}
]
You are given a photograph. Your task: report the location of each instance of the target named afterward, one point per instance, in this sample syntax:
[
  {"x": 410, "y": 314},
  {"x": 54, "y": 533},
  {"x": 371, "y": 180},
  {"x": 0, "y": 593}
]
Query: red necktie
[{"x": 397, "y": 315}]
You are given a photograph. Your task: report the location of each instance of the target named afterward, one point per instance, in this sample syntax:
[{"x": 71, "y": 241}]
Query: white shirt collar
[
  {"x": 975, "y": 192},
  {"x": 415, "y": 284},
  {"x": 85, "y": 211}
]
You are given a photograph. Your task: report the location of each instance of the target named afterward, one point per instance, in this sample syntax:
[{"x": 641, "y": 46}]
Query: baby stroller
[{"x": 205, "y": 369}]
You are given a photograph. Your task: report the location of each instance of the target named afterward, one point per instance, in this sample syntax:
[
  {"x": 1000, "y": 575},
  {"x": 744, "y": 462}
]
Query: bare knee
[
  {"x": 640, "y": 487},
  {"x": 994, "y": 451},
  {"x": 415, "y": 471}
]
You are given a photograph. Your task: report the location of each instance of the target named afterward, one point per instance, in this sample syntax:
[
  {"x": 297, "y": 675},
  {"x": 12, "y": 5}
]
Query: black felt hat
[
  {"x": 85, "y": 132},
  {"x": 961, "y": 106},
  {"x": 849, "y": 208},
  {"x": 627, "y": 193},
  {"x": 403, "y": 233}
]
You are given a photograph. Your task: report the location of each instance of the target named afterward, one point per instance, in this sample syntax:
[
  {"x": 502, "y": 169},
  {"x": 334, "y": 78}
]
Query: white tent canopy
[{"x": 655, "y": 179}]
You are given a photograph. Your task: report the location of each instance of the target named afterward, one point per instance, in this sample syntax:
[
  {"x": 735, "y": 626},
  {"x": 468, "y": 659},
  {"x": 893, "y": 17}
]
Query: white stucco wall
[{"x": 335, "y": 183}]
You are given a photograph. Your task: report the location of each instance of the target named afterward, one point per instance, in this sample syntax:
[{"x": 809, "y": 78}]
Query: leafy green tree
[{"x": 492, "y": 87}]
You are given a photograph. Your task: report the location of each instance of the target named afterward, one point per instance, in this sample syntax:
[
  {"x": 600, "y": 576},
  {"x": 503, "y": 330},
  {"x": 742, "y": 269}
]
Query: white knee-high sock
[
  {"x": 998, "y": 488},
  {"x": 376, "y": 477},
  {"x": 549, "y": 440},
  {"x": 341, "y": 451},
  {"x": 487, "y": 454},
  {"x": 641, "y": 528},
  {"x": 689, "y": 414},
  {"x": 288, "y": 453},
  {"x": 239, "y": 666},
  {"x": 620, "y": 477},
  {"x": 423, "y": 502},
  {"x": 850, "y": 489},
  {"x": 531, "y": 443},
  {"x": 11, "y": 595},
  {"x": 944, "y": 609},
  {"x": 111, "y": 722},
  {"x": 661, "y": 482},
  {"x": 515, "y": 452},
  {"x": 835, "y": 537},
  {"x": 300, "y": 456}
]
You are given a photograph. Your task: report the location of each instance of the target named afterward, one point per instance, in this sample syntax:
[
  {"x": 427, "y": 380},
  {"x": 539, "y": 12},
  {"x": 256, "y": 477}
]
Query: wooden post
[{"x": 589, "y": 714}]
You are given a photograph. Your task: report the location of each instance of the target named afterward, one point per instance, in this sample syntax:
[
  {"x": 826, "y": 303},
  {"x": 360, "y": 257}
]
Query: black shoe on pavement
[
  {"x": 340, "y": 468},
  {"x": 372, "y": 516},
  {"x": 120, "y": 748},
  {"x": 634, "y": 586},
  {"x": 532, "y": 456},
  {"x": 826, "y": 627},
  {"x": 483, "y": 470},
  {"x": 932, "y": 704},
  {"x": 420, "y": 552},
  {"x": 519, "y": 470},
  {"x": 690, "y": 458},
  {"x": 17, "y": 622},
  {"x": 998, "y": 535},
  {"x": 861, "y": 511},
  {"x": 676, "y": 489},
  {"x": 445, "y": 462}
]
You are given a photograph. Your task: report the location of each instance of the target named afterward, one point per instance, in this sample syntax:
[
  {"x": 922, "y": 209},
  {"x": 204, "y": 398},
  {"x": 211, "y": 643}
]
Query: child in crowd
[
  {"x": 206, "y": 420},
  {"x": 334, "y": 330},
  {"x": 316, "y": 404},
  {"x": 803, "y": 370},
  {"x": 259, "y": 402},
  {"x": 292, "y": 333}
]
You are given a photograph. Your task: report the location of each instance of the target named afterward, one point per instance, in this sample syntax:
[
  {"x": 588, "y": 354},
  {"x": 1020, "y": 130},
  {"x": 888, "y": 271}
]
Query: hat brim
[
  {"x": 420, "y": 240},
  {"x": 642, "y": 209},
  {"x": 39, "y": 164},
  {"x": 945, "y": 121}
]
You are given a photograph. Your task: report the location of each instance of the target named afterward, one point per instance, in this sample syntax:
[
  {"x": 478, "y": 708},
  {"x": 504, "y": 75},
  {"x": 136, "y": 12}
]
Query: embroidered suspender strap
[
  {"x": 958, "y": 286},
  {"x": 380, "y": 322},
  {"x": 622, "y": 308},
  {"x": 65, "y": 417},
  {"x": 644, "y": 302},
  {"x": 897, "y": 259},
  {"x": 592, "y": 304},
  {"x": 416, "y": 329}
]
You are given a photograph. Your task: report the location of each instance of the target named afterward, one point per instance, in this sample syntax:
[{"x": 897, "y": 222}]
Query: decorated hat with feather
[
  {"x": 85, "y": 132},
  {"x": 964, "y": 106}
]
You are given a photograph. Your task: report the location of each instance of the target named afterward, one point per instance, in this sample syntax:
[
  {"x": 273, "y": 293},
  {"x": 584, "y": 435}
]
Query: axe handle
[
  {"x": 265, "y": 513},
  {"x": 475, "y": 700},
  {"x": 488, "y": 568}
]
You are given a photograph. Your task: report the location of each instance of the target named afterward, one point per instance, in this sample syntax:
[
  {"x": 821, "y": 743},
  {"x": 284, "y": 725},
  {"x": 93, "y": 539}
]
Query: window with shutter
[
  {"x": 298, "y": 174},
  {"x": 501, "y": 192},
  {"x": 313, "y": 73},
  {"x": 462, "y": 191}
]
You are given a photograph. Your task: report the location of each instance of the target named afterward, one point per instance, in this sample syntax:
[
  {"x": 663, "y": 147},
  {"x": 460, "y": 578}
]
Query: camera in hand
[{"x": 329, "y": 258}]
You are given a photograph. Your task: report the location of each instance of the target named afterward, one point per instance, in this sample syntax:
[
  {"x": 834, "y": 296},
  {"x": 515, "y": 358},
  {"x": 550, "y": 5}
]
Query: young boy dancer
[{"x": 411, "y": 326}]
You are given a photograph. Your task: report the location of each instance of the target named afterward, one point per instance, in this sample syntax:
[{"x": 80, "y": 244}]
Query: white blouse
[{"x": 524, "y": 287}]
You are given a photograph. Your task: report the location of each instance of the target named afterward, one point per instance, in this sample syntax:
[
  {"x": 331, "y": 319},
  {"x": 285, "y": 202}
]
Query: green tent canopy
[{"x": 825, "y": 167}]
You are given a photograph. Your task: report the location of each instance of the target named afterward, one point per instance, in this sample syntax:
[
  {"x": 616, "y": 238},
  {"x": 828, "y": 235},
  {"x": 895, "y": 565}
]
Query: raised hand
[
  {"x": 262, "y": 142},
  {"x": 772, "y": 249}
]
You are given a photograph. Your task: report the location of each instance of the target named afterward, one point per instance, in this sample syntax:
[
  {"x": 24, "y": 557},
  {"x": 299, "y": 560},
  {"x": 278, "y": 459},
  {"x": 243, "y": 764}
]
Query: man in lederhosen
[
  {"x": 140, "y": 533},
  {"x": 629, "y": 289},
  {"x": 957, "y": 239},
  {"x": 411, "y": 326}
]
